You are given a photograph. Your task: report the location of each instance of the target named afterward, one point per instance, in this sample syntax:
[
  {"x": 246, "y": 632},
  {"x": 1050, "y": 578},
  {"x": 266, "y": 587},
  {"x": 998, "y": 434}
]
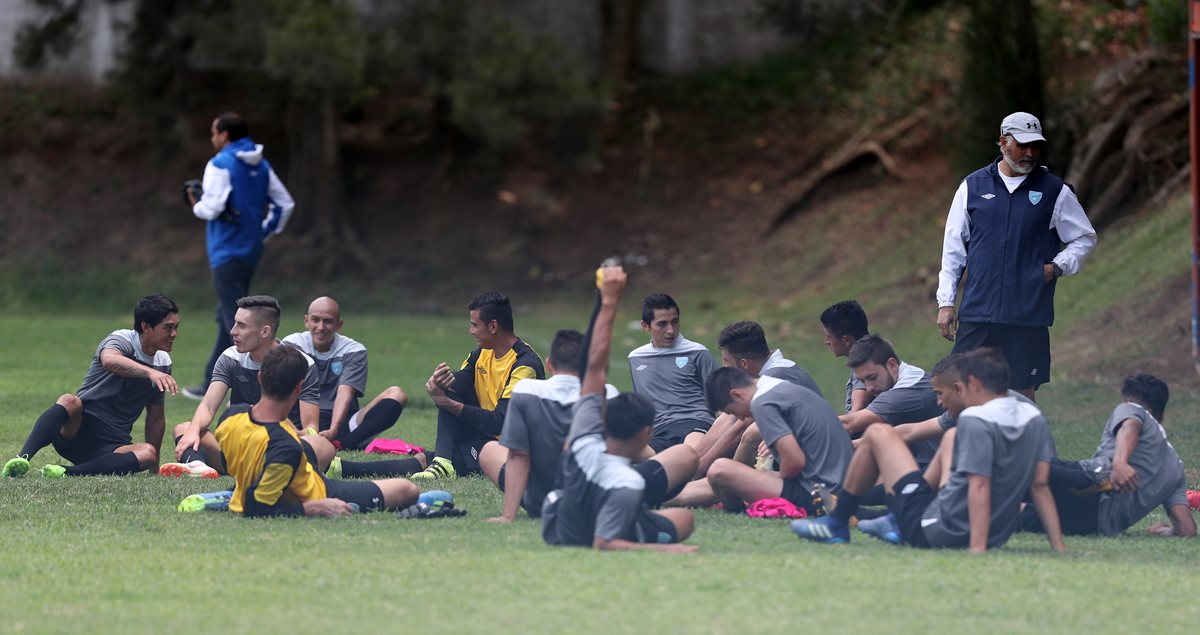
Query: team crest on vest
[
  {"x": 1035, "y": 197},
  {"x": 989, "y": 196},
  {"x": 336, "y": 367},
  {"x": 681, "y": 361}
]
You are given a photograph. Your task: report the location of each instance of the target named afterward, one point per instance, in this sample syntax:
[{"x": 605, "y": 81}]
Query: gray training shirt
[
  {"x": 673, "y": 380},
  {"x": 537, "y": 421},
  {"x": 910, "y": 400},
  {"x": 601, "y": 495},
  {"x": 1004, "y": 440},
  {"x": 1160, "y": 472},
  {"x": 780, "y": 367},
  {"x": 240, "y": 373},
  {"x": 781, "y": 408},
  {"x": 344, "y": 364},
  {"x": 112, "y": 402},
  {"x": 852, "y": 384}
]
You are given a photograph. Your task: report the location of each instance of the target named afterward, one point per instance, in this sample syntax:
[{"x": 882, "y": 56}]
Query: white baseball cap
[{"x": 1023, "y": 127}]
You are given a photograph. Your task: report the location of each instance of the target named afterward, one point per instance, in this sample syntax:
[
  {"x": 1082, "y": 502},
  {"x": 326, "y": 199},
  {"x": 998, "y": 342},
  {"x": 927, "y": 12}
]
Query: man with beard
[{"x": 1016, "y": 228}]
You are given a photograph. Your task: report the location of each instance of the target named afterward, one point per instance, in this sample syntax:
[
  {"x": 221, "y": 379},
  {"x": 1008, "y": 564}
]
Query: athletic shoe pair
[
  {"x": 194, "y": 469},
  {"x": 432, "y": 504},
  {"x": 439, "y": 468},
  {"x": 830, "y": 530},
  {"x": 19, "y": 466}
]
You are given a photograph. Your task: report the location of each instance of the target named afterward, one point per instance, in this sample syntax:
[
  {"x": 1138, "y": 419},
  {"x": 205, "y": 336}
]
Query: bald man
[{"x": 342, "y": 367}]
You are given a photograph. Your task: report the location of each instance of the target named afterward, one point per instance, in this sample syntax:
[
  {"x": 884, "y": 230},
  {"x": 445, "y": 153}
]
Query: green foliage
[
  {"x": 1168, "y": 20},
  {"x": 55, "y": 34},
  {"x": 317, "y": 48}
]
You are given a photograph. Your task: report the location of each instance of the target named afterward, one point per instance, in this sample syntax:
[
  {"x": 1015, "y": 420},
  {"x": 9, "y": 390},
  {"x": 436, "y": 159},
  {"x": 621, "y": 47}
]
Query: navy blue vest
[{"x": 1011, "y": 242}]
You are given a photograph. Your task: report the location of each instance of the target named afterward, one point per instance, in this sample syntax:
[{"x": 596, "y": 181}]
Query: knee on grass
[
  {"x": 683, "y": 519},
  {"x": 398, "y": 492}
]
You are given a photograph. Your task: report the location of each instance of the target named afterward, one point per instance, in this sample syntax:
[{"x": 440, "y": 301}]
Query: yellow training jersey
[
  {"x": 267, "y": 459},
  {"x": 495, "y": 376}
]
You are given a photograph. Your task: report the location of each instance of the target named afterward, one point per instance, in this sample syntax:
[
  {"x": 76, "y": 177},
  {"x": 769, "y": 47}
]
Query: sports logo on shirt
[
  {"x": 681, "y": 361},
  {"x": 336, "y": 367},
  {"x": 989, "y": 196},
  {"x": 641, "y": 367},
  {"x": 1035, "y": 197}
]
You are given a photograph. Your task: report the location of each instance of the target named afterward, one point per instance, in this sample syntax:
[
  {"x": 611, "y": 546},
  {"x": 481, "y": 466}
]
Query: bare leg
[
  {"x": 937, "y": 473},
  {"x": 747, "y": 450},
  {"x": 683, "y": 520},
  {"x": 491, "y": 459},
  {"x": 1029, "y": 392},
  {"x": 726, "y": 435},
  {"x": 735, "y": 484},
  {"x": 398, "y": 493},
  {"x": 695, "y": 494},
  {"x": 393, "y": 392},
  {"x": 882, "y": 455},
  {"x": 74, "y": 407},
  {"x": 323, "y": 449},
  {"x": 146, "y": 455},
  {"x": 679, "y": 462}
]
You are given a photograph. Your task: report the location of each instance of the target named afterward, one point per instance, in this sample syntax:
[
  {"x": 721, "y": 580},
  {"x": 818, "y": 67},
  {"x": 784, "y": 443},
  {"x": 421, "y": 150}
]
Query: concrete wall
[{"x": 676, "y": 36}]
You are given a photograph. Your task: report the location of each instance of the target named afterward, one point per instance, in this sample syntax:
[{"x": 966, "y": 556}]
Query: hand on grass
[
  {"x": 500, "y": 519},
  {"x": 328, "y": 508}
]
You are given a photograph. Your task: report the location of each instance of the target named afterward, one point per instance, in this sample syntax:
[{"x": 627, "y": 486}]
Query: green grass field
[{"x": 112, "y": 555}]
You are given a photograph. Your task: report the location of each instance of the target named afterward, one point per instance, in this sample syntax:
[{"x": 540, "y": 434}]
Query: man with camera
[{"x": 243, "y": 202}]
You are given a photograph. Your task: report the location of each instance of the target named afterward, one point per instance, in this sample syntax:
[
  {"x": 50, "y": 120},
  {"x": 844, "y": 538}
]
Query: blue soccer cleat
[
  {"x": 824, "y": 529},
  {"x": 435, "y": 496},
  {"x": 884, "y": 528}
]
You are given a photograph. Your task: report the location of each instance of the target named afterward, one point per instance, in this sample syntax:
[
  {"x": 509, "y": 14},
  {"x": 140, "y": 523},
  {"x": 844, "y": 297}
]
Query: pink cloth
[
  {"x": 775, "y": 508},
  {"x": 393, "y": 446}
]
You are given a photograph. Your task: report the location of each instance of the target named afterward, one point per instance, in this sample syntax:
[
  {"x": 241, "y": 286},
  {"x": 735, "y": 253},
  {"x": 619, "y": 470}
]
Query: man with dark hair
[
  {"x": 800, "y": 428},
  {"x": 1134, "y": 470},
  {"x": 341, "y": 364},
  {"x": 1008, "y": 225},
  {"x": 472, "y": 401},
  {"x": 601, "y": 499},
  {"x": 278, "y": 475},
  {"x": 844, "y": 324},
  {"x": 670, "y": 371},
  {"x": 92, "y": 428},
  {"x": 901, "y": 393},
  {"x": 236, "y": 374},
  {"x": 970, "y": 495},
  {"x": 243, "y": 202}
]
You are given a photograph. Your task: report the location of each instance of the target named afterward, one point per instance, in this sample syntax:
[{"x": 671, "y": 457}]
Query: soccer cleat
[
  {"x": 824, "y": 529},
  {"x": 884, "y": 528},
  {"x": 1100, "y": 488},
  {"x": 440, "y": 468},
  {"x": 195, "y": 393},
  {"x": 53, "y": 471},
  {"x": 212, "y": 502},
  {"x": 16, "y": 467},
  {"x": 195, "y": 469},
  {"x": 335, "y": 468},
  {"x": 439, "y": 509}
]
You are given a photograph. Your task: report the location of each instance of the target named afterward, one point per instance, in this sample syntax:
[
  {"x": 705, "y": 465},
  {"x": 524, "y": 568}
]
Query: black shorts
[
  {"x": 655, "y": 476},
  {"x": 365, "y": 494},
  {"x": 797, "y": 494},
  {"x": 908, "y": 504},
  {"x": 673, "y": 434},
  {"x": 1077, "y": 515},
  {"x": 89, "y": 444},
  {"x": 465, "y": 457},
  {"x": 650, "y": 527},
  {"x": 1027, "y": 349}
]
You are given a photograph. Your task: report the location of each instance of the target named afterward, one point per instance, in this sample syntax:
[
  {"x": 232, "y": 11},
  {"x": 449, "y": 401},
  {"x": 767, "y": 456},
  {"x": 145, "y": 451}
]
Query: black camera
[{"x": 193, "y": 187}]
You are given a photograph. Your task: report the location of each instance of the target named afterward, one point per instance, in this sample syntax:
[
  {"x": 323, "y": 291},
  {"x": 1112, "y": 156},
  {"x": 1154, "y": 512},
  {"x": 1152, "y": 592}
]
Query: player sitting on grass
[
  {"x": 970, "y": 495},
  {"x": 800, "y": 428},
  {"x": 524, "y": 462},
  {"x": 601, "y": 501},
  {"x": 1134, "y": 470},
  {"x": 236, "y": 373},
  {"x": 670, "y": 372},
  {"x": 276, "y": 474},
  {"x": 342, "y": 370},
  {"x": 471, "y": 402},
  {"x": 744, "y": 346},
  {"x": 900, "y": 393},
  {"x": 845, "y": 323},
  {"x": 130, "y": 373}
]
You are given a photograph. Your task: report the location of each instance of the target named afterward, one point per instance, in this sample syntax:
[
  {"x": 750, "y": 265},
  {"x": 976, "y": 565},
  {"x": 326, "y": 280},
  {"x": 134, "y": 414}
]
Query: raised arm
[
  {"x": 120, "y": 365},
  {"x": 611, "y": 281}
]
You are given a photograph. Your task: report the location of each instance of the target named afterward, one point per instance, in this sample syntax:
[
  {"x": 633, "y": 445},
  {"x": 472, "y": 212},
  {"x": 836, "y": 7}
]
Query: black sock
[
  {"x": 115, "y": 463},
  {"x": 45, "y": 429},
  {"x": 380, "y": 417},
  {"x": 447, "y": 427},
  {"x": 190, "y": 455},
  {"x": 847, "y": 504},
  {"x": 398, "y": 467}
]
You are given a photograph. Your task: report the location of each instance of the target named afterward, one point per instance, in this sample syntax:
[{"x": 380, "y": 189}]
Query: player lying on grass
[
  {"x": 1134, "y": 470},
  {"x": 744, "y": 346},
  {"x": 255, "y": 325},
  {"x": 341, "y": 364},
  {"x": 601, "y": 501},
  {"x": 670, "y": 372},
  {"x": 278, "y": 475},
  {"x": 524, "y": 463},
  {"x": 844, "y": 324},
  {"x": 130, "y": 372},
  {"x": 800, "y": 428},
  {"x": 970, "y": 495},
  {"x": 472, "y": 401}
]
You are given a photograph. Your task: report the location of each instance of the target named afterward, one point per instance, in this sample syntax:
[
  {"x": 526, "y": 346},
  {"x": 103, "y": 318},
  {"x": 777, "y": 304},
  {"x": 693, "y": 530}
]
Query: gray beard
[{"x": 1017, "y": 167}]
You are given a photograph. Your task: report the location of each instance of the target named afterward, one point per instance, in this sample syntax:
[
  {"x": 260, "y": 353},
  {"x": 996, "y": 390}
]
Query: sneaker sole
[
  {"x": 15, "y": 469},
  {"x": 179, "y": 469}
]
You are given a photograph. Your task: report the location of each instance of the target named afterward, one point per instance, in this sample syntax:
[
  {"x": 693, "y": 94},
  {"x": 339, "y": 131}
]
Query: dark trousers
[
  {"x": 232, "y": 282},
  {"x": 456, "y": 439}
]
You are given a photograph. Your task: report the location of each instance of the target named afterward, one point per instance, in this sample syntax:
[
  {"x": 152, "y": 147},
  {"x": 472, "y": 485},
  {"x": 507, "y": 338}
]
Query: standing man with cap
[
  {"x": 243, "y": 202},
  {"x": 1016, "y": 228}
]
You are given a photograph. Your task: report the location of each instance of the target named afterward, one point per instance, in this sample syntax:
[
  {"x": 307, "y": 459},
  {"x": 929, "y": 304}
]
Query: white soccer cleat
[{"x": 194, "y": 469}]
